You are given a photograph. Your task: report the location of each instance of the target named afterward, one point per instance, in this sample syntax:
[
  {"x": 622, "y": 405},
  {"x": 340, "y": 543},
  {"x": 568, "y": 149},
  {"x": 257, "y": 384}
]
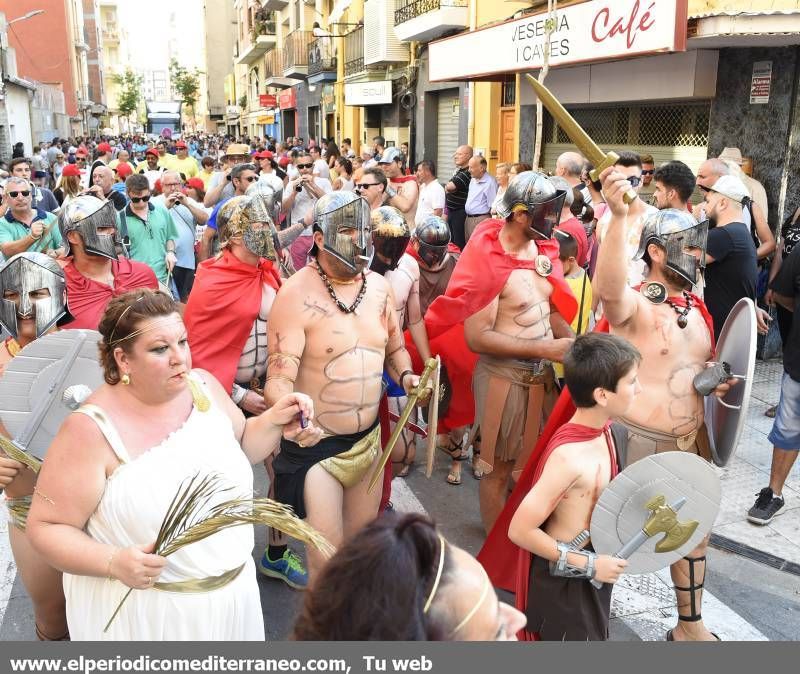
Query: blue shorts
[
  {"x": 393, "y": 390},
  {"x": 785, "y": 433}
]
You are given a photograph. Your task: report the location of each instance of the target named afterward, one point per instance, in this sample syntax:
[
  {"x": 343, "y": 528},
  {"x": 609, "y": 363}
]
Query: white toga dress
[{"x": 130, "y": 512}]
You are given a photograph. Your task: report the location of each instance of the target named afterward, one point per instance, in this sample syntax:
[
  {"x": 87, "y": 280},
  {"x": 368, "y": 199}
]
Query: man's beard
[{"x": 675, "y": 280}]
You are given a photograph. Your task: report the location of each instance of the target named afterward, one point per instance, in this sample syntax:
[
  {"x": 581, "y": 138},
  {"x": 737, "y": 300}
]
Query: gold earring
[{"x": 125, "y": 379}]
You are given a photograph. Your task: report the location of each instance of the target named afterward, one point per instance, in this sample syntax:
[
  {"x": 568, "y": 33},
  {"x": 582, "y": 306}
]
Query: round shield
[
  {"x": 736, "y": 346},
  {"x": 33, "y": 403},
  {"x": 625, "y": 508}
]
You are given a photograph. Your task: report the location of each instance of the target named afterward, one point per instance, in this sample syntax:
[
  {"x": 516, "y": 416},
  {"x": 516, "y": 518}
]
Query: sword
[
  {"x": 663, "y": 519},
  {"x": 433, "y": 419},
  {"x": 601, "y": 160},
  {"x": 17, "y": 448},
  {"x": 430, "y": 366}
]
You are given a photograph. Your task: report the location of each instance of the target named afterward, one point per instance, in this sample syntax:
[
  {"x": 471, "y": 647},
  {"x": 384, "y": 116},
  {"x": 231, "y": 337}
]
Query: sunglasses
[
  {"x": 304, "y": 166},
  {"x": 649, "y": 172},
  {"x": 136, "y": 200},
  {"x": 249, "y": 178},
  {"x": 364, "y": 186},
  {"x": 634, "y": 181},
  {"x": 23, "y": 193}
]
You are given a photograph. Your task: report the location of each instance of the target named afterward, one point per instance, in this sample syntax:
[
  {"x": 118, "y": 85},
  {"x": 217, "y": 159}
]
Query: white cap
[{"x": 731, "y": 187}]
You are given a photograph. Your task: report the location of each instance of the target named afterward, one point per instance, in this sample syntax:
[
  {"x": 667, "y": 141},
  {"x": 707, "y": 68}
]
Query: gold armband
[
  {"x": 280, "y": 376},
  {"x": 290, "y": 356}
]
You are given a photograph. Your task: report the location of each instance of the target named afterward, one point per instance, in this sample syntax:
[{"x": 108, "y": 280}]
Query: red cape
[
  {"x": 224, "y": 302},
  {"x": 87, "y": 299},
  {"x": 479, "y": 277}
]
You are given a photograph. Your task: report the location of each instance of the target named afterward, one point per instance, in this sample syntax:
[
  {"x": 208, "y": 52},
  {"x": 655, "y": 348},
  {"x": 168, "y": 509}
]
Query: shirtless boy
[
  {"x": 601, "y": 372},
  {"x": 332, "y": 330}
]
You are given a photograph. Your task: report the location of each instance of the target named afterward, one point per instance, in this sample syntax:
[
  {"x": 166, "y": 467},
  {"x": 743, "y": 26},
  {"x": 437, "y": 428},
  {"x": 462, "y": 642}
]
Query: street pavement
[{"x": 752, "y": 588}]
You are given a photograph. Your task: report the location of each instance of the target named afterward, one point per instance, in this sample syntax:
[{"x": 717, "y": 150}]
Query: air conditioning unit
[{"x": 380, "y": 41}]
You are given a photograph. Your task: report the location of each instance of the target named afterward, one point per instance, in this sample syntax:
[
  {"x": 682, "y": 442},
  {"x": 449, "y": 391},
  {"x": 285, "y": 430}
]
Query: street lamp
[{"x": 29, "y": 15}]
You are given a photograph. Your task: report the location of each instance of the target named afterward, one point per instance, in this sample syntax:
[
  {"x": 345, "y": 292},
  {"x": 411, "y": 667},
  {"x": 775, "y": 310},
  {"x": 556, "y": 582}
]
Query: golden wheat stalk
[
  {"x": 14, "y": 452},
  {"x": 184, "y": 525}
]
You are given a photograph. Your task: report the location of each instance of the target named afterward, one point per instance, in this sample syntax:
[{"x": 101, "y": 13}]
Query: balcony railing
[
  {"x": 266, "y": 26},
  {"x": 321, "y": 55},
  {"x": 354, "y": 51},
  {"x": 274, "y": 63},
  {"x": 414, "y": 8},
  {"x": 295, "y": 50}
]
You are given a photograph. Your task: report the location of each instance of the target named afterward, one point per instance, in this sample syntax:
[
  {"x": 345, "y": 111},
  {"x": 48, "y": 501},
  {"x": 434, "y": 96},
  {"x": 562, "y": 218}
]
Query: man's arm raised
[{"x": 611, "y": 274}]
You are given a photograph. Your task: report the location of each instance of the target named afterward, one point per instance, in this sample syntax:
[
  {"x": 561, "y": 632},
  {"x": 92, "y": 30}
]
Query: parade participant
[
  {"x": 580, "y": 460},
  {"x": 438, "y": 591},
  {"x": 402, "y": 191},
  {"x": 32, "y": 300},
  {"x": 673, "y": 331},
  {"x": 101, "y": 500},
  {"x": 518, "y": 331},
  {"x": 390, "y": 237},
  {"x": 94, "y": 272},
  {"x": 332, "y": 330}
]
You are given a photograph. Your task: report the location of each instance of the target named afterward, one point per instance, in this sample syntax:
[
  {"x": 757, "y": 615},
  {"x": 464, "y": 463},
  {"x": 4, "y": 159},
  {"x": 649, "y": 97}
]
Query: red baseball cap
[
  {"x": 71, "y": 170},
  {"x": 264, "y": 154},
  {"x": 283, "y": 162},
  {"x": 123, "y": 170},
  {"x": 151, "y": 151},
  {"x": 181, "y": 145},
  {"x": 81, "y": 152},
  {"x": 104, "y": 147},
  {"x": 196, "y": 183}
]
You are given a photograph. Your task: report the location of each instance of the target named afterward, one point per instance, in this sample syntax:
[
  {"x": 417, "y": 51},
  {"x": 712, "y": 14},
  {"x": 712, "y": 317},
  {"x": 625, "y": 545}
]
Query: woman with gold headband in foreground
[
  {"x": 438, "y": 592},
  {"x": 115, "y": 467}
]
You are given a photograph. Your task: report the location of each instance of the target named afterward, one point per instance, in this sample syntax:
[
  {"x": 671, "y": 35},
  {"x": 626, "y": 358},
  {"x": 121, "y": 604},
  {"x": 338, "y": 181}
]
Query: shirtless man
[
  {"x": 332, "y": 330},
  {"x": 517, "y": 334},
  {"x": 390, "y": 237},
  {"x": 672, "y": 330},
  {"x": 403, "y": 191}
]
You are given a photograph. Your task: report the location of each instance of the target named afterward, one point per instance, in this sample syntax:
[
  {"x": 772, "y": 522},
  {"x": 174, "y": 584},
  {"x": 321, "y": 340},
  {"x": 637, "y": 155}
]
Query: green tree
[
  {"x": 130, "y": 93},
  {"x": 186, "y": 85}
]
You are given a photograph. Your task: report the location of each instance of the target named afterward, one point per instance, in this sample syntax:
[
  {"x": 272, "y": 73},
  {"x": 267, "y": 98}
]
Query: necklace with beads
[
  {"x": 683, "y": 312},
  {"x": 342, "y": 306}
]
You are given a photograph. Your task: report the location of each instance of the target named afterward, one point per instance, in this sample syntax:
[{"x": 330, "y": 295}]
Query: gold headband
[
  {"x": 121, "y": 316},
  {"x": 484, "y": 593},
  {"x": 152, "y": 326},
  {"x": 435, "y": 587}
]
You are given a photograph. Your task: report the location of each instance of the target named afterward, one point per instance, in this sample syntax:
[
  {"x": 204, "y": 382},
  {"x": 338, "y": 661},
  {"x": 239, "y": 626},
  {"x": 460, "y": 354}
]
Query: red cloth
[
  {"x": 87, "y": 299},
  {"x": 479, "y": 277},
  {"x": 224, "y": 302},
  {"x": 575, "y": 229},
  {"x": 403, "y": 179},
  {"x": 508, "y": 565}
]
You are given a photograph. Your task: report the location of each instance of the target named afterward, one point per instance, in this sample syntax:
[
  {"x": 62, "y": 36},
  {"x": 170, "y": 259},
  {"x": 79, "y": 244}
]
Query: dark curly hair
[
  {"x": 376, "y": 585},
  {"x": 121, "y": 318}
]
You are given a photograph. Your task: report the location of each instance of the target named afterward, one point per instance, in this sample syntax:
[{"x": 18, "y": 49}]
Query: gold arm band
[
  {"x": 290, "y": 356},
  {"x": 44, "y": 496},
  {"x": 281, "y": 376}
]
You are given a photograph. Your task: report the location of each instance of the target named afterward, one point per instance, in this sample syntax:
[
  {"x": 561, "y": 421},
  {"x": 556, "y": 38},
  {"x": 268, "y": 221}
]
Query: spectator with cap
[
  {"x": 69, "y": 185},
  {"x": 220, "y": 186},
  {"x": 402, "y": 192},
  {"x": 81, "y": 160},
  {"x": 123, "y": 157},
  {"x": 121, "y": 174},
  {"x": 731, "y": 268},
  {"x": 150, "y": 168},
  {"x": 104, "y": 156},
  {"x": 182, "y": 162}
]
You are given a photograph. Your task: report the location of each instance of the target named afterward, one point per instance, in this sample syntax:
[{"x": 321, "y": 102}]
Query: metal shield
[
  {"x": 736, "y": 346},
  {"x": 32, "y": 401},
  {"x": 620, "y": 512}
]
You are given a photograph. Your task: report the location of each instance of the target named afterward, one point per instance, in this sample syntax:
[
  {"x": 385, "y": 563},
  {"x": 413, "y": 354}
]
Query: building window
[{"x": 508, "y": 92}]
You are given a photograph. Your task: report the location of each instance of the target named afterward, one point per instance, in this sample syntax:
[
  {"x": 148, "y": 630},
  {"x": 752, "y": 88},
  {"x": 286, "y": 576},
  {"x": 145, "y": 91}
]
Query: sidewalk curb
[{"x": 730, "y": 545}]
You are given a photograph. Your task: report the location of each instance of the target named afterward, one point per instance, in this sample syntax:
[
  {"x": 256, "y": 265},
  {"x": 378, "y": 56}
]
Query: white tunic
[{"x": 130, "y": 512}]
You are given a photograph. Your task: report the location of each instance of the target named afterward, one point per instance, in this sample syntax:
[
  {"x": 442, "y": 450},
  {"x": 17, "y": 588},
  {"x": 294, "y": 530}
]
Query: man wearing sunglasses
[
  {"x": 150, "y": 228},
  {"x": 25, "y": 228},
  {"x": 42, "y": 197},
  {"x": 648, "y": 188},
  {"x": 301, "y": 196}
]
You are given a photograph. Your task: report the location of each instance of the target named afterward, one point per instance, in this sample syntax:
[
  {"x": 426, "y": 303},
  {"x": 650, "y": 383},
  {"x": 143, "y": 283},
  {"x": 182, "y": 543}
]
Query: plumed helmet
[
  {"x": 22, "y": 275},
  {"x": 87, "y": 214},
  {"x": 675, "y": 230},
  {"x": 336, "y": 215},
  {"x": 390, "y": 237},
  {"x": 433, "y": 239},
  {"x": 534, "y": 193}
]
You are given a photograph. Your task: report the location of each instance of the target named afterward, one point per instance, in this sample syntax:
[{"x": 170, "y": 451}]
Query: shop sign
[
  {"x": 368, "y": 93},
  {"x": 761, "y": 83},
  {"x": 590, "y": 31},
  {"x": 328, "y": 99},
  {"x": 267, "y": 100},
  {"x": 288, "y": 99},
  {"x": 232, "y": 110},
  {"x": 265, "y": 119}
]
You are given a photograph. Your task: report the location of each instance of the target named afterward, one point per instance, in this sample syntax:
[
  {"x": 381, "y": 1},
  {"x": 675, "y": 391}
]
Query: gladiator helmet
[
  {"x": 20, "y": 277},
  {"x": 433, "y": 238},
  {"x": 675, "y": 230},
  {"x": 249, "y": 218},
  {"x": 87, "y": 214},
  {"x": 390, "y": 237},
  {"x": 269, "y": 189},
  {"x": 533, "y": 192},
  {"x": 339, "y": 211}
]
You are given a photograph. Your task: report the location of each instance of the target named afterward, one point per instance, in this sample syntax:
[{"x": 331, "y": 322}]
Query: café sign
[{"x": 590, "y": 31}]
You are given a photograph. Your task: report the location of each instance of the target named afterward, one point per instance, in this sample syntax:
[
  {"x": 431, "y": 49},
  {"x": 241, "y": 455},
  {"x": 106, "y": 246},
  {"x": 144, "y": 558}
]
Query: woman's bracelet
[{"x": 110, "y": 560}]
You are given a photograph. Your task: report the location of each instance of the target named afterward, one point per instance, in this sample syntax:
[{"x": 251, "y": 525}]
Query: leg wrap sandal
[
  {"x": 41, "y": 636},
  {"x": 694, "y": 616}
]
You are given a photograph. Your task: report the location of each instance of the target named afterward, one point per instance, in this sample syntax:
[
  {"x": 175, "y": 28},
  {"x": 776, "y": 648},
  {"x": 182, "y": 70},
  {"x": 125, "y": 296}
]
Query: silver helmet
[
  {"x": 534, "y": 193},
  {"x": 390, "y": 154},
  {"x": 269, "y": 189},
  {"x": 249, "y": 218},
  {"x": 87, "y": 214},
  {"x": 339, "y": 211},
  {"x": 675, "y": 230},
  {"x": 20, "y": 277},
  {"x": 390, "y": 237},
  {"x": 432, "y": 237}
]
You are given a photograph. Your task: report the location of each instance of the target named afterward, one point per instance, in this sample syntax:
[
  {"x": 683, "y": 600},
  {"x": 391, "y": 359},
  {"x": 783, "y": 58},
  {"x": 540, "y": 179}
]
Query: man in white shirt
[
  {"x": 300, "y": 197},
  {"x": 320, "y": 165},
  {"x": 482, "y": 191},
  {"x": 431, "y": 192}
]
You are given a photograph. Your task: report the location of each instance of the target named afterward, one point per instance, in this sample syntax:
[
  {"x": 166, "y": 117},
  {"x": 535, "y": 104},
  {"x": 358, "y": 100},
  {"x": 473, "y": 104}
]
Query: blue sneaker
[{"x": 288, "y": 568}]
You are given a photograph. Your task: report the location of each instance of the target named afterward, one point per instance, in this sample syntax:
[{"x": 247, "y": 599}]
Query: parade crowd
[{"x": 277, "y": 302}]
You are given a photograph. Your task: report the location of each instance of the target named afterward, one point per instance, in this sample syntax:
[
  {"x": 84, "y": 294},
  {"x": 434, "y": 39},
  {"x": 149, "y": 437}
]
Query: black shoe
[{"x": 765, "y": 508}]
